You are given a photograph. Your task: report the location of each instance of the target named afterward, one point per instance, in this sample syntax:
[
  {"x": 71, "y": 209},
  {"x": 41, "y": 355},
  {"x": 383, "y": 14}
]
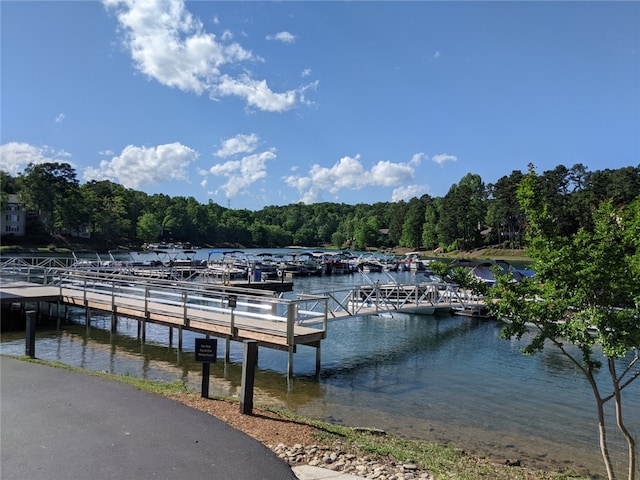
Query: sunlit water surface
[{"x": 448, "y": 379}]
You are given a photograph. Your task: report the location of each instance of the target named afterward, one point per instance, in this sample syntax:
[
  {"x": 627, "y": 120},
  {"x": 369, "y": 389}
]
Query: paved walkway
[{"x": 62, "y": 425}]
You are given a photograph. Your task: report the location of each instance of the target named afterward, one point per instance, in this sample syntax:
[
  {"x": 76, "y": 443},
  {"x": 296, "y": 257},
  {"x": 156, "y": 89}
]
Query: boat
[
  {"x": 128, "y": 264},
  {"x": 483, "y": 271},
  {"x": 184, "y": 262},
  {"x": 90, "y": 261},
  {"x": 227, "y": 264},
  {"x": 336, "y": 263},
  {"x": 267, "y": 264},
  {"x": 413, "y": 261},
  {"x": 369, "y": 264}
]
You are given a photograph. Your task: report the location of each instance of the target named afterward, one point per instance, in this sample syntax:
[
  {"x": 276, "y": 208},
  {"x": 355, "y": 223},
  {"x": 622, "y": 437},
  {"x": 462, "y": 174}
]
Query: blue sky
[{"x": 250, "y": 104}]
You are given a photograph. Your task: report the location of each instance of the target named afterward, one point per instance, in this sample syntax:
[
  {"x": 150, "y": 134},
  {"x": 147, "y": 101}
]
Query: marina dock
[
  {"x": 229, "y": 312},
  {"x": 233, "y": 311}
]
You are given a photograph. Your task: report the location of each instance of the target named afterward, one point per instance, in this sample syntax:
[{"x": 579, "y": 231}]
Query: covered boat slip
[{"x": 223, "y": 311}]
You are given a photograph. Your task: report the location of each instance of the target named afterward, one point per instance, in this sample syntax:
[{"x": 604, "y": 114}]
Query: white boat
[
  {"x": 228, "y": 264},
  {"x": 413, "y": 261}
]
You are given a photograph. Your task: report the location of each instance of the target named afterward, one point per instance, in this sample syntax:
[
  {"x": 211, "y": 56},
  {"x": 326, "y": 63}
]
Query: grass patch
[
  {"x": 446, "y": 462},
  {"x": 151, "y": 386}
]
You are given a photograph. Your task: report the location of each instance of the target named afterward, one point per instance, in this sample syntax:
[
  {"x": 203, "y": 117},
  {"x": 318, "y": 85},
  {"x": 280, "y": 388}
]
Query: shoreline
[{"x": 361, "y": 451}]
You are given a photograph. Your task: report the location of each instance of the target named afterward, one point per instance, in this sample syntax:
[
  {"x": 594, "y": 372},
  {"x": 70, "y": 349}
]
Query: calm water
[{"x": 447, "y": 379}]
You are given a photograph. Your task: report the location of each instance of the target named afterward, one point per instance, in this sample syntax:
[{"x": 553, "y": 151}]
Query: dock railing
[
  {"x": 391, "y": 297},
  {"x": 243, "y": 303}
]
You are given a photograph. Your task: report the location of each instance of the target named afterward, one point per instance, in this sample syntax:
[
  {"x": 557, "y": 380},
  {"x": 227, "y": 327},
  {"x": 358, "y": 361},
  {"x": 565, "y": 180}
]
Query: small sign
[
  {"x": 232, "y": 301},
  {"x": 206, "y": 350}
]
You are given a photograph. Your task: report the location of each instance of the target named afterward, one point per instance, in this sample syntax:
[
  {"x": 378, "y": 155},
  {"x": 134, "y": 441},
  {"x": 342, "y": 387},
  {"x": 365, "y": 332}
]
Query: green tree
[
  {"x": 431, "y": 236},
  {"x": 7, "y": 187},
  {"x": 396, "y": 220},
  {"x": 586, "y": 292},
  {"x": 148, "y": 228},
  {"x": 463, "y": 213},
  {"x": 412, "y": 225},
  {"x": 42, "y": 186},
  {"x": 503, "y": 211}
]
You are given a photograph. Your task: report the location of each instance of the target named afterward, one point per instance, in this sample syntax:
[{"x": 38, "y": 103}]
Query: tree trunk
[
  {"x": 604, "y": 449},
  {"x": 631, "y": 443}
]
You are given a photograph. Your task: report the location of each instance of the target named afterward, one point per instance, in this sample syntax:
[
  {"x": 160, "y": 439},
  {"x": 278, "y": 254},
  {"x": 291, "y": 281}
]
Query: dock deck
[
  {"x": 226, "y": 311},
  {"x": 233, "y": 311}
]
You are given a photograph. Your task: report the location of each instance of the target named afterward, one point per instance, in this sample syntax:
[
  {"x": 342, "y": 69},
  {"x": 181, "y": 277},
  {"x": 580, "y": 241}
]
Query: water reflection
[{"x": 446, "y": 379}]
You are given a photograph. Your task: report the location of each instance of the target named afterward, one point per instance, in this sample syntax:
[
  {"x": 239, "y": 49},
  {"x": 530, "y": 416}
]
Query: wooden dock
[
  {"x": 234, "y": 311},
  {"x": 227, "y": 312}
]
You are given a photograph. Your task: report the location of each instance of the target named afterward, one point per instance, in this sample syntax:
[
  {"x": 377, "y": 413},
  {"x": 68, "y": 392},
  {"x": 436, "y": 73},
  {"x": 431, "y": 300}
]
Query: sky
[{"x": 252, "y": 104}]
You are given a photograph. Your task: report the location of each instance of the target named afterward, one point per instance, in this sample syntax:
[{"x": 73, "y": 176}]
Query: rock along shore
[{"x": 339, "y": 460}]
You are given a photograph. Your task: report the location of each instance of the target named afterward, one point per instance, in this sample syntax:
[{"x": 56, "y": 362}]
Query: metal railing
[{"x": 236, "y": 303}]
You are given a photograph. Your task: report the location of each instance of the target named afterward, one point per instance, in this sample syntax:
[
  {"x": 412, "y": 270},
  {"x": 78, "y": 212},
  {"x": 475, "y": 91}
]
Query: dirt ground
[{"x": 266, "y": 427}]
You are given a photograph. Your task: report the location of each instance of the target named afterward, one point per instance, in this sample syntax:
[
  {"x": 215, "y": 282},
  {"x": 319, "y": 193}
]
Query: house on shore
[{"x": 13, "y": 220}]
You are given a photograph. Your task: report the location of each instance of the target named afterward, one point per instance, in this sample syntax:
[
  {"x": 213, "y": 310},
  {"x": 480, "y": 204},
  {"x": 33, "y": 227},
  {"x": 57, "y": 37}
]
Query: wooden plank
[{"x": 20, "y": 292}]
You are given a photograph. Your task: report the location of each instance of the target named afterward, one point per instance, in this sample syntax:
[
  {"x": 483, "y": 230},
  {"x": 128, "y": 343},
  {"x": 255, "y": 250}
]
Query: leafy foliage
[
  {"x": 586, "y": 292},
  {"x": 470, "y": 215}
]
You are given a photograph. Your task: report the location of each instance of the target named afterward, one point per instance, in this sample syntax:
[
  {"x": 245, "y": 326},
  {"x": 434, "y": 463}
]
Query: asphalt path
[{"x": 57, "y": 424}]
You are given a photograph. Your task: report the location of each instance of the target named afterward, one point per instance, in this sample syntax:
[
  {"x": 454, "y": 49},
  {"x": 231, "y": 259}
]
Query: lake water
[{"x": 446, "y": 379}]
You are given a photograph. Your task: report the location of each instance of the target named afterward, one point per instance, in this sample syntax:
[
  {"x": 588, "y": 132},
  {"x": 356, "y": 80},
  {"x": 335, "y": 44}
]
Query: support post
[
  {"x": 30, "y": 347},
  {"x": 248, "y": 376},
  {"x": 318, "y": 360},
  {"x": 114, "y": 322},
  {"x": 290, "y": 339},
  {"x": 143, "y": 331}
]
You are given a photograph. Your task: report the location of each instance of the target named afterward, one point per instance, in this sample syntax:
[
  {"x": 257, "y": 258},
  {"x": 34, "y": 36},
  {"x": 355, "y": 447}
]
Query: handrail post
[
  {"x": 185, "y": 319},
  {"x": 325, "y": 321},
  {"x": 290, "y": 344}
]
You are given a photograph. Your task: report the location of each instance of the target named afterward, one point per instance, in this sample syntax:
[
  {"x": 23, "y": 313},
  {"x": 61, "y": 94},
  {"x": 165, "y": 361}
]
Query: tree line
[{"x": 472, "y": 214}]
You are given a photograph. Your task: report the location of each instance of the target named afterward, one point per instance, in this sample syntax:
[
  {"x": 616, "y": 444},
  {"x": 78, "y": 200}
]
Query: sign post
[
  {"x": 248, "y": 373},
  {"x": 206, "y": 353}
]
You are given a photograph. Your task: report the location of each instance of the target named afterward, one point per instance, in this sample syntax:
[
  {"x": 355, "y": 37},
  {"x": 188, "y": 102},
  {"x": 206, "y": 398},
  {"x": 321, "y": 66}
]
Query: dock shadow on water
[{"x": 444, "y": 379}]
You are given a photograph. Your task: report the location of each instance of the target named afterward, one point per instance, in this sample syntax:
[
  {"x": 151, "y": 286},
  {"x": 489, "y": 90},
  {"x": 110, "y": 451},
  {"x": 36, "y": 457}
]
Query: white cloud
[
  {"x": 387, "y": 174},
  {"x": 306, "y": 72},
  {"x": 284, "y": 37},
  {"x": 350, "y": 174},
  {"x": 442, "y": 158},
  {"x": 15, "y": 156},
  {"x": 417, "y": 158},
  {"x": 238, "y": 144},
  {"x": 408, "y": 192},
  {"x": 241, "y": 174},
  {"x": 257, "y": 93},
  {"x": 168, "y": 44},
  {"x": 60, "y": 118},
  {"x": 137, "y": 166}
]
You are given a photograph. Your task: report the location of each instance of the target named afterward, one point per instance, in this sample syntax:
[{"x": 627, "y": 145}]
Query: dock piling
[
  {"x": 248, "y": 376},
  {"x": 30, "y": 348}
]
